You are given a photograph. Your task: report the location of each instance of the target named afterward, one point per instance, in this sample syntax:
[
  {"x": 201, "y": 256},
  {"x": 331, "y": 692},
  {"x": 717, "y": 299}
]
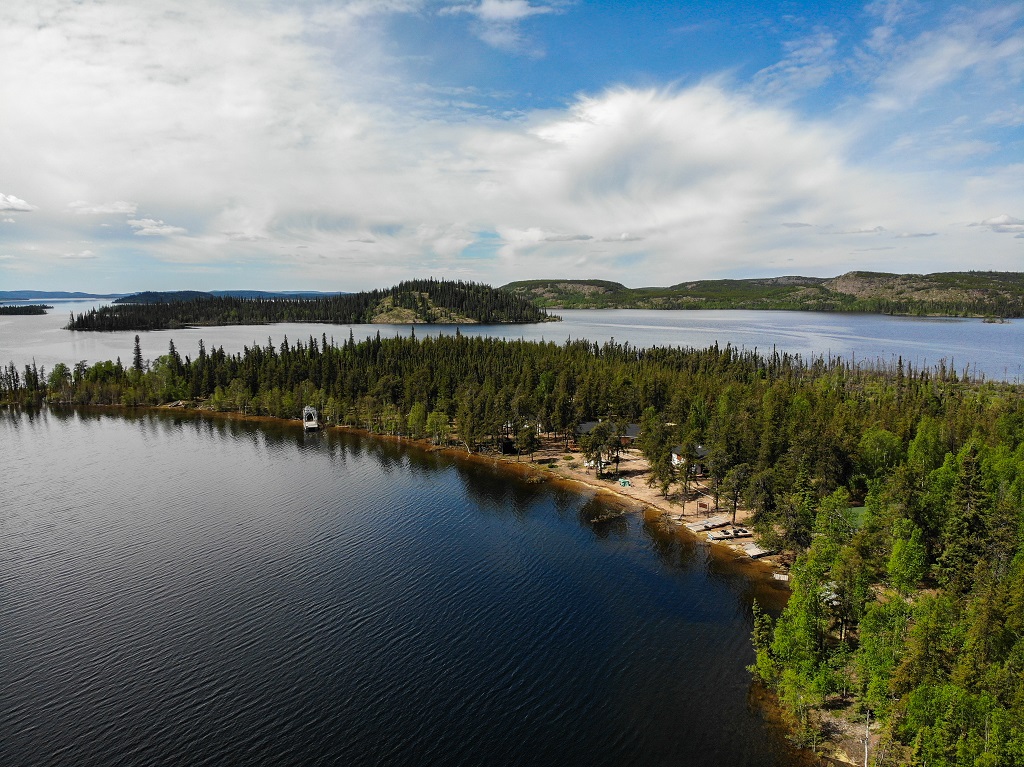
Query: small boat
[
  {"x": 728, "y": 535},
  {"x": 310, "y": 418}
]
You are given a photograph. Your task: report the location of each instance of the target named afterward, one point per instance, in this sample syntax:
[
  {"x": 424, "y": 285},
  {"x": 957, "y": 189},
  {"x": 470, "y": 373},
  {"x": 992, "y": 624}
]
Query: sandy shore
[{"x": 551, "y": 461}]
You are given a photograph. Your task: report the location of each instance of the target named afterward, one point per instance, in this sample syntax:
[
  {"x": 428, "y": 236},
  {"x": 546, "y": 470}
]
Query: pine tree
[
  {"x": 965, "y": 533},
  {"x": 137, "y": 356}
]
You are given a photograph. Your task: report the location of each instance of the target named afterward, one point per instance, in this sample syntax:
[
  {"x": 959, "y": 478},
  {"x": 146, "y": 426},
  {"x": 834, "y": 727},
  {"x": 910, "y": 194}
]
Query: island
[
  {"x": 411, "y": 302},
  {"x": 25, "y": 309}
]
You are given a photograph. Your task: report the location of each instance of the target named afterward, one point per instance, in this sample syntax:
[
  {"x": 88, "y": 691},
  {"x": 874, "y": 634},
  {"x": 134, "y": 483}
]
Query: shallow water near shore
[{"x": 191, "y": 589}]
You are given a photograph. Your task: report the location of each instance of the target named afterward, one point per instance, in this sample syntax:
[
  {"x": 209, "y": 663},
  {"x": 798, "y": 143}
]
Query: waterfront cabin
[
  {"x": 698, "y": 465},
  {"x": 630, "y": 435},
  {"x": 627, "y": 437},
  {"x": 310, "y": 418}
]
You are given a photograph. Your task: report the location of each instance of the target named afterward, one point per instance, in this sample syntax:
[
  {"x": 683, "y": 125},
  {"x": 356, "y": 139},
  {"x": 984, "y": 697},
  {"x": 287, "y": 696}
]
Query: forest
[
  {"x": 413, "y": 301},
  {"x": 897, "y": 491},
  {"x": 946, "y": 294},
  {"x": 15, "y": 309}
]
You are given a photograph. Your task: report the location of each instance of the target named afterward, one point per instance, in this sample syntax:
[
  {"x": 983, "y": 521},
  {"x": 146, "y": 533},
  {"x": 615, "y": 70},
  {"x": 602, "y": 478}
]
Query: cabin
[
  {"x": 699, "y": 466},
  {"x": 630, "y": 433},
  {"x": 310, "y": 418}
]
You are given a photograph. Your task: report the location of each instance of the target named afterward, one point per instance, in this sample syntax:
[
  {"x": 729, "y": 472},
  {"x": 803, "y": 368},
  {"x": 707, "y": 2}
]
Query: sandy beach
[{"x": 552, "y": 462}]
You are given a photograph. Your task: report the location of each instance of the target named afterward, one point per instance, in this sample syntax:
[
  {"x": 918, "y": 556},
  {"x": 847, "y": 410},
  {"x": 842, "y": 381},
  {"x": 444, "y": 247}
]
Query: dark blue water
[{"x": 186, "y": 590}]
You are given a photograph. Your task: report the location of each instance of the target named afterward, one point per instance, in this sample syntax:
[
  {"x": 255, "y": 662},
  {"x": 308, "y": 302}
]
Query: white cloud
[
  {"x": 962, "y": 150},
  {"x": 884, "y": 39},
  {"x": 1003, "y": 224},
  {"x": 567, "y": 238},
  {"x": 808, "y": 64},
  {"x": 285, "y": 131},
  {"x": 119, "y": 206},
  {"x": 871, "y": 230},
  {"x": 984, "y": 44},
  {"x": 148, "y": 227},
  {"x": 10, "y": 202},
  {"x": 498, "y": 19},
  {"x": 245, "y": 237},
  {"x": 9, "y": 221},
  {"x": 499, "y": 11},
  {"x": 81, "y": 255},
  {"x": 1011, "y": 116}
]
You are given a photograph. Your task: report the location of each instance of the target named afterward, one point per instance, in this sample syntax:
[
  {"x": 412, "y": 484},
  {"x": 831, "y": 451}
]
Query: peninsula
[
  {"x": 411, "y": 302},
  {"x": 895, "y": 491},
  {"x": 948, "y": 294}
]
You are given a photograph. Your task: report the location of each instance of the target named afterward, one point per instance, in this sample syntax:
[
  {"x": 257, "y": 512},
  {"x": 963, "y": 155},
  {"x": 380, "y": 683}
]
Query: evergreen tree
[
  {"x": 909, "y": 559},
  {"x": 965, "y": 533},
  {"x": 137, "y": 356}
]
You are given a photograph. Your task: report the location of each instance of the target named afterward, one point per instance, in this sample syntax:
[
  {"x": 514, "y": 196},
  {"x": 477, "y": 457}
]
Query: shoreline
[{"x": 552, "y": 463}]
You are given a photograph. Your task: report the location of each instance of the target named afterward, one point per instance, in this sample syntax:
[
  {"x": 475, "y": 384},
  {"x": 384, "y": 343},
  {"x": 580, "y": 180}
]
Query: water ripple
[{"x": 186, "y": 590}]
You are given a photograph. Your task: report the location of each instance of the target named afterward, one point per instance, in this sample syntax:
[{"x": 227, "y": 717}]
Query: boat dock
[
  {"x": 708, "y": 524},
  {"x": 754, "y": 551}
]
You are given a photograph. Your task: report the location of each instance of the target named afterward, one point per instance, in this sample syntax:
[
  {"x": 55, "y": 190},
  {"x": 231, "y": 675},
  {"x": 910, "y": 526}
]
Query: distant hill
[
  {"x": 35, "y": 295},
  {"x": 415, "y": 301},
  {"x": 171, "y": 296},
  {"x": 950, "y": 294}
]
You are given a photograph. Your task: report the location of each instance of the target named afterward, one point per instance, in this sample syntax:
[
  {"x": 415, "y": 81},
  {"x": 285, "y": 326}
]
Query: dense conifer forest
[
  {"x": 15, "y": 309},
  {"x": 414, "y": 301},
  {"x": 898, "y": 491}
]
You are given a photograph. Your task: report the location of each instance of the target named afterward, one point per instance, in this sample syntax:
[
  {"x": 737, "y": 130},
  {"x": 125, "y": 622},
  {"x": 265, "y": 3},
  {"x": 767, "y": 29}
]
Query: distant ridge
[
  {"x": 170, "y": 296},
  {"x": 152, "y": 296},
  {"x": 948, "y": 294},
  {"x": 33, "y": 295}
]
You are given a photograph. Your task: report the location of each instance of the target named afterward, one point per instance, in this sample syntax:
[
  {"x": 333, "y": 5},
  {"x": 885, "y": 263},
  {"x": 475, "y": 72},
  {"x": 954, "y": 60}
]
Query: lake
[
  {"x": 993, "y": 350},
  {"x": 185, "y": 589}
]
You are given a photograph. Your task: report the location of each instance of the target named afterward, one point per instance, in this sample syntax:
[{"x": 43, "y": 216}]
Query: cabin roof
[{"x": 632, "y": 430}]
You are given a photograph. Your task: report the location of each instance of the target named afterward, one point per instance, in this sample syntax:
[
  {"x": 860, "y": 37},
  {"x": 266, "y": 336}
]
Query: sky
[{"x": 350, "y": 144}]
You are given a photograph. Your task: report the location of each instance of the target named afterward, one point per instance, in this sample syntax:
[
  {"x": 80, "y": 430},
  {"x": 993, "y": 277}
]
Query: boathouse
[{"x": 310, "y": 418}]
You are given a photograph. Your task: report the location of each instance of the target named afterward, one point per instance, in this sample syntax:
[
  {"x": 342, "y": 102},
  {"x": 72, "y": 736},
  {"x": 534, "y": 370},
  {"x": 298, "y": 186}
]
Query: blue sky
[{"x": 350, "y": 144}]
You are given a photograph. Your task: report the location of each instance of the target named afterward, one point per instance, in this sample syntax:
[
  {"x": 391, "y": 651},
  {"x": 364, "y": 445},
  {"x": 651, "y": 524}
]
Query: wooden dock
[
  {"x": 754, "y": 551},
  {"x": 708, "y": 524}
]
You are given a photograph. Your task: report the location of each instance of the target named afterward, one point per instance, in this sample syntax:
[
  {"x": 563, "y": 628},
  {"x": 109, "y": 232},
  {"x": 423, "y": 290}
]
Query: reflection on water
[{"x": 182, "y": 589}]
